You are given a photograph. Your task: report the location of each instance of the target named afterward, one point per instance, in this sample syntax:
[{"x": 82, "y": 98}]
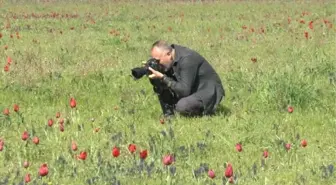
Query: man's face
[{"x": 164, "y": 57}]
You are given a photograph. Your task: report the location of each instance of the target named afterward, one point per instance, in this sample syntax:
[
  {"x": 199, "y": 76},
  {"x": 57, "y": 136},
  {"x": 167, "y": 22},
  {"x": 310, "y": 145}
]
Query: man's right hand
[{"x": 155, "y": 74}]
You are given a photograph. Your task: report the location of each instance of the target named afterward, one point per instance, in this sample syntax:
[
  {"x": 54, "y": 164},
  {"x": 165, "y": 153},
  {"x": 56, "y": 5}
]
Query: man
[{"x": 192, "y": 86}]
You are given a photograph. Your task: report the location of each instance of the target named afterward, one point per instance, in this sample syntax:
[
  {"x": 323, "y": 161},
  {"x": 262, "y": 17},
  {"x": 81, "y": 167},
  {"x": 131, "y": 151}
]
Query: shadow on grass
[{"x": 220, "y": 111}]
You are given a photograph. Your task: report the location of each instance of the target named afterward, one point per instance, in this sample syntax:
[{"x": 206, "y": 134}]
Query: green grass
[{"x": 92, "y": 62}]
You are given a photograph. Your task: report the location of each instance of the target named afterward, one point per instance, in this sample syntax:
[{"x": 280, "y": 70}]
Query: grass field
[{"x": 269, "y": 56}]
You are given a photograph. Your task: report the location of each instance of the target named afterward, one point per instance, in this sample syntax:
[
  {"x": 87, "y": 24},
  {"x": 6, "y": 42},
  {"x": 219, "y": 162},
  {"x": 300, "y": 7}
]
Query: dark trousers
[{"x": 170, "y": 103}]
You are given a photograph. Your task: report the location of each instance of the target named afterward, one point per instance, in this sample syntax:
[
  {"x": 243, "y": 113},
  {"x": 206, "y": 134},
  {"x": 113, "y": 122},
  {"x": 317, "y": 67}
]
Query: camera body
[{"x": 139, "y": 72}]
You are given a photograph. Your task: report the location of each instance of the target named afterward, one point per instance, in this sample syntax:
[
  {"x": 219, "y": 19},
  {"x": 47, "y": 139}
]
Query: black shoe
[{"x": 167, "y": 109}]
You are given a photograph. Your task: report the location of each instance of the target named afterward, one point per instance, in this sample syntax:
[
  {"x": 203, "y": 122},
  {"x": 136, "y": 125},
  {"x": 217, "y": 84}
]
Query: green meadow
[{"x": 270, "y": 55}]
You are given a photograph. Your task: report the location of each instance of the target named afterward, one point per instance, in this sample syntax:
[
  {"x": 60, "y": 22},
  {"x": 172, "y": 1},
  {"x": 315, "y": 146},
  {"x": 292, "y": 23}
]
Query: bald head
[
  {"x": 162, "y": 46},
  {"x": 163, "y": 52}
]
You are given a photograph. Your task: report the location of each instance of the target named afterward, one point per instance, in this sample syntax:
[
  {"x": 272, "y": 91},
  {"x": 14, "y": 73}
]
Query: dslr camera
[{"x": 139, "y": 72}]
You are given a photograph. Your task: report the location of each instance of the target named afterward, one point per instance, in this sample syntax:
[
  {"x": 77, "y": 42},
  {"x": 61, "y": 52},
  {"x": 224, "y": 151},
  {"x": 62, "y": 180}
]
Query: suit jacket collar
[{"x": 177, "y": 54}]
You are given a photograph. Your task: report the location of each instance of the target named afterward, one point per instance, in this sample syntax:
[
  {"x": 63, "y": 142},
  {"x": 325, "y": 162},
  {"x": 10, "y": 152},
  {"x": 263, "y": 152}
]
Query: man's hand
[{"x": 155, "y": 74}]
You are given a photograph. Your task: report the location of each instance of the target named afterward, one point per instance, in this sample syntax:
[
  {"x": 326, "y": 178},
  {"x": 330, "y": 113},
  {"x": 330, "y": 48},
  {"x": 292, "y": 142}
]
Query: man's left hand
[{"x": 155, "y": 74}]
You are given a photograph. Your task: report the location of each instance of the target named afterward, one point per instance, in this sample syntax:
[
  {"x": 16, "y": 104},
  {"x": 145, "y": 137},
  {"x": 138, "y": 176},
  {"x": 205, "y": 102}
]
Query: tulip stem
[{"x": 21, "y": 117}]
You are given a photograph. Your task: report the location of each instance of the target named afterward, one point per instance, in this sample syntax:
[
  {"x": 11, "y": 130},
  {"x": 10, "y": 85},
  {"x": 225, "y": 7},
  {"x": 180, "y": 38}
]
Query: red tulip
[
  {"x": 325, "y": 21},
  {"x": 132, "y": 148},
  {"x": 6, "y": 111},
  {"x": 16, "y": 108},
  {"x": 265, "y": 153},
  {"x": 27, "y": 178},
  {"x": 143, "y": 154},
  {"x": 25, "y": 135},
  {"x": 262, "y": 30},
  {"x": 61, "y": 127},
  {"x": 211, "y": 174},
  {"x": 9, "y": 60},
  {"x": 228, "y": 171},
  {"x": 36, "y": 140},
  {"x": 2, "y": 143},
  {"x": 82, "y": 156},
  {"x": 73, "y": 146},
  {"x": 26, "y": 164},
  {"x": 306, "y": 34},
  {"x": 311, "y": 25},
  {"x": 168, "y": 160},
  {"x": 254, "y": 60},
  {"x": 304, "y": 143},
  {"x": 58, "y": 114},
  {"x": 288, "y": 146},
  {"x": 43, "y": 170},
  {"x": 115, "y": 151},
  {"x": 73, "y": 103},
  {"x": 61, "y": 121},
  {"x": 6, "y": 68},
  {"x": 50, "y": 122},
  {"x": 239, "y": 147}
]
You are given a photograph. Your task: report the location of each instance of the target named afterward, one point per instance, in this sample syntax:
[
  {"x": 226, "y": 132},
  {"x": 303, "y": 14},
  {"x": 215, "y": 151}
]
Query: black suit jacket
[{"x": 195, "y": 76}]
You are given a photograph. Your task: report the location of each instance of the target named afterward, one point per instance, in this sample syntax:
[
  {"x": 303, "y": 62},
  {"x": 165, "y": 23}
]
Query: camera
[{"x": 139, "y": 72}]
